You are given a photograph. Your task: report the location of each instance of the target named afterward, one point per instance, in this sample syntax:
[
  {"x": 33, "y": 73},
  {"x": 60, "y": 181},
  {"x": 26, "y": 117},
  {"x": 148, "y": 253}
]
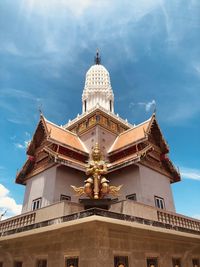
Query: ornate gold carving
[
  {"x": 103, "y": 120},
  {"x": 92, "y": 120},
  {"x": 82, "y": 126},
  {"x": 96, "y": 185},
  {"x": 78, "y": 190},
  {"x": 113, "y": 126}
]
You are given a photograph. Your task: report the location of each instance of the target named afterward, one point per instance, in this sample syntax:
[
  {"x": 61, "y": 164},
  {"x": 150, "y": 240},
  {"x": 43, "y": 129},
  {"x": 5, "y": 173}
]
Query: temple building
[{"x": 98, "y": 193}]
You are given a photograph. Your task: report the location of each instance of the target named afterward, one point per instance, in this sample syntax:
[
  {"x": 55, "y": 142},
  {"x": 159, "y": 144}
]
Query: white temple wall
[
  {"x": 129, "y": 177},
  {"x": 98, "y": 135},
  {"x": 50, "y": 184},
  {"x": 155, "y": 184},
  {"x": 65, "y": 177},
  {"x": 145, "y": 183},
  {"x": 40, "y": 186}
]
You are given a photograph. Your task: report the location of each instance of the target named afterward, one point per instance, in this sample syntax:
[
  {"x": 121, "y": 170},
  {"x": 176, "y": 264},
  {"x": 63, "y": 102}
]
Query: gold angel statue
[{"x": 96, "y": 185}]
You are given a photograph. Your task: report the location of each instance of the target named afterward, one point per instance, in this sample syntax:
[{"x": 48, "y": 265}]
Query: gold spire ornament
[{"x": 96, "y": 185}]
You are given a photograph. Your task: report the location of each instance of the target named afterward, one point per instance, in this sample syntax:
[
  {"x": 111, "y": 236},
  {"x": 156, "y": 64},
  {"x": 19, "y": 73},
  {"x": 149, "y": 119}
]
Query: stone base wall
[{"x": 97, "y": 241}]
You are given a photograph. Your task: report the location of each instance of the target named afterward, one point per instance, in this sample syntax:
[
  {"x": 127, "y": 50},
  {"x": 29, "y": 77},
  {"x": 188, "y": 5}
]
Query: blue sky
[{"x": 151, "y": 49}]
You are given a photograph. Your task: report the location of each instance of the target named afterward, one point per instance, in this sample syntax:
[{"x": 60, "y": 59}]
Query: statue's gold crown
[{"x": 96, "y": 150}]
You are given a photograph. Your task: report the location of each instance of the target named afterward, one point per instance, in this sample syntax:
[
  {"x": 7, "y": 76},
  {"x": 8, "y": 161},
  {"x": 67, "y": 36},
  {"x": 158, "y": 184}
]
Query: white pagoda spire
[{"x": 97, "y": 90}]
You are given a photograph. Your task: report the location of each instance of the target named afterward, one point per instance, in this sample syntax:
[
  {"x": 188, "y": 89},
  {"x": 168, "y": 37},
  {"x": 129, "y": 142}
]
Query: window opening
[
  {"x": 152, "y": 262},
  {"x": 65, "y": 197},
  {"x": 36, "y": 204},
  {"x": 176, "y": 262},
  {"x": 159, "y": 202},
  {"x": 121, "y": 261},
  {"x": 72, "y": 262},
  {"x": 42, "y": 263},
  {"x": 17, "y": 264},
  {"x": 195, "y": 262},
  {"x": 131, "y": 197}
]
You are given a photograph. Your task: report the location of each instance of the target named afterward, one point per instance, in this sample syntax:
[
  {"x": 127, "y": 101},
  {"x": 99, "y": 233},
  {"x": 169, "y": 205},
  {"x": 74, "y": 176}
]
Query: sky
[{"x": 151, "y": 49}]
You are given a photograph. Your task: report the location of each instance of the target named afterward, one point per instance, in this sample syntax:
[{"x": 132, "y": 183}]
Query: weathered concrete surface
[{"x": 96, "y": 240}]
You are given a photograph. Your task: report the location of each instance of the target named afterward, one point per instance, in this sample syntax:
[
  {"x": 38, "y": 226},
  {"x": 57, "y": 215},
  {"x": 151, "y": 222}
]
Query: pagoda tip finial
[
  {"x": 40, "y": 110},
  {"x": 97, "y": 59},
  {"x": 154, "y": 110}
]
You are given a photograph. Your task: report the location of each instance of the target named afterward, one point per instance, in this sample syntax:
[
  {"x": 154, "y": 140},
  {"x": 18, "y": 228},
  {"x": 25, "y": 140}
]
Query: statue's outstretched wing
[
  {"x": 114, "y": 190},
  {"x": 79, "y": 190}
]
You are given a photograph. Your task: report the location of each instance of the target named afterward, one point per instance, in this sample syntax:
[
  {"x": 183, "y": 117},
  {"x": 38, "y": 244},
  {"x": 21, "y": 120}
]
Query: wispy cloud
[
  {"x": 20, "y": 146},
  {"x": 189, "y": 173},
  {"x": 146, "y": 105},
  {"x": 8, "y": 203},
  {"x": 17, "y": 104},
  {"x": 16, "y": 121},
  {"x": 25, "y": 143},
  {"x": 16, "y": 93}
]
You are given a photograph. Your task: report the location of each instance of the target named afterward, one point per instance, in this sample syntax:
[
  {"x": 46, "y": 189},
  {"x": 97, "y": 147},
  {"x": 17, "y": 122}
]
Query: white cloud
[
  {"x": 189, "y": 173},
  {"x": 3, "y": 191},
  {"x": 147, "y": 105},
  {"x": 8, "y": 203},
  {"x": 24, "y": 145},
  {"x": 20, "y": 146}
]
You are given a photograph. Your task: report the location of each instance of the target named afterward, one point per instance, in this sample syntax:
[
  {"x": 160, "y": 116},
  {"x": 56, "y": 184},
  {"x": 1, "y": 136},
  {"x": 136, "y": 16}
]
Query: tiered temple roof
[{"x": 141, "y": 144}]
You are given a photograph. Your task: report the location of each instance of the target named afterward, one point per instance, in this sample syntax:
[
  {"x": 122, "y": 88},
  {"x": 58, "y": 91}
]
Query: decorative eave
[
  {"x": 54, "y": 141},
  {"x": 22, "y": 173},
  {"x": 31, "y": 146},
  {"x": 149, "y": 129},
  {"x": 44, "y": 139},
  {"x": 81, "y": 148},
  {"x": 172, "y": 169},
  {"x": 65, "y": 160},
  {"x": 49, "y": 137},
  {"x": 129, "y": 159},
  {"x": 121, "y": 144},
  {"x": 138, "y": 134},
  {"x": 28, "y": 170},
  {"x": 127, "y": 146},
  {"x": 97, "y": 109}
]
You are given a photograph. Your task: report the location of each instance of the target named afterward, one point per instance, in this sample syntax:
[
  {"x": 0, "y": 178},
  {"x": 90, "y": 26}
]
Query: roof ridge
[
  {"x": 110, "y": 149},
  {"x": 82, "y": 143},
  {"x": 60, "y": 127},
  {"x": 98, "y": 107},
  {"x": 136, "y": 126}
]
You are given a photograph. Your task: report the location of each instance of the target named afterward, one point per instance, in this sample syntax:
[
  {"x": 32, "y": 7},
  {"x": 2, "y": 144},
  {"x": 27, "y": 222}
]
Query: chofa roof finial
[{"x": 97, "y": 59}]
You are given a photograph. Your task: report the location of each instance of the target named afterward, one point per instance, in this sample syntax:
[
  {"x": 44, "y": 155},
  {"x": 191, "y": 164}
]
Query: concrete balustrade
[{"x": 122, "y": 210}]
